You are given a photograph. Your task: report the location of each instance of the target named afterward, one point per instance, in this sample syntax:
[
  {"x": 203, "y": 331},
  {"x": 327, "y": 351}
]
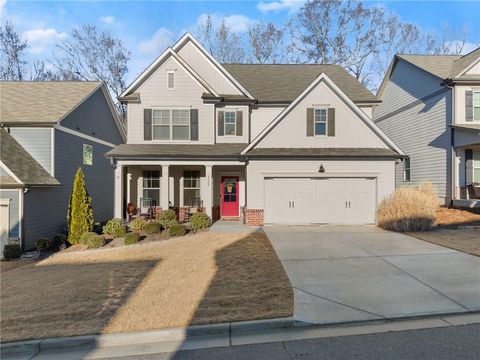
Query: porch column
[
  {"x": 129, "y": 180},
  {"x": 164, "y": 188},
  {"x": 118, "y": 193},
  {"x": 208, "y": 201}
]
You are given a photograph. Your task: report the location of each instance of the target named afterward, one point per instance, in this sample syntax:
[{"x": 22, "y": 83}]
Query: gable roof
[
  {"x": 284, "y": 82},
  {"x": 324, "y": 77},
  {"x": 44, "y": 102},
  {"x": 23, "y": 166}
]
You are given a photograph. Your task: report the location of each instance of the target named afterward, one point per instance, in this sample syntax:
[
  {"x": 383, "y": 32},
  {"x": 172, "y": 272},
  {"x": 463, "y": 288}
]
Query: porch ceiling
[{"x": 468, "y": 127}]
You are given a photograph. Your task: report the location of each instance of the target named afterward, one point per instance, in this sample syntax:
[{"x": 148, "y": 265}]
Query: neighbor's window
[
  {"x": 230, "y": 123},
  {"x": 476, "y": 166},
  {"x": 171, "y": 124},
  {"x": 171, "y": 79},
  {"x": 151, "y": 188},
  {"x": 406, "y": 169},
  {"x": 191, "y": 187},
  {"x": 87, "y": 154},
  {"x": 320, "y": 122},
  {"x": 476, "y": 105}
]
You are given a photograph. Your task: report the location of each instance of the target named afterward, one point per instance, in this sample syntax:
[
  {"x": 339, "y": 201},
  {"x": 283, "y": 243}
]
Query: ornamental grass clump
[
  {"x": 167, "y": 218},
  {"x": 152, "y": 228},
  {"x": 177, "y": 230},
  {"x": 80, "y": 212},
  {"x": 409, "y": 209}
]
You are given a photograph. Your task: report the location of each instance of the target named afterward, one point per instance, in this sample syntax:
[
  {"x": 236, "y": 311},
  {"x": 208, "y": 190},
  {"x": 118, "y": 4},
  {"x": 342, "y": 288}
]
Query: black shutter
[
  {"x": 331, "y": 122},
  {"x": 468, "y": 105},
  {"x": 309, "y": 121},
  {"x": 147, "y": 124},
  {"x": 194, "y": 124},
  {"x": 221, "y": 130},
  {"x": 468, "y": 166},
  {"x": 239, "y": 121}
]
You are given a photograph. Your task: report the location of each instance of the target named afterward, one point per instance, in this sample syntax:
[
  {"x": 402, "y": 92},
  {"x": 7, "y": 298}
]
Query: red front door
[{"x": 229, "y": 193}]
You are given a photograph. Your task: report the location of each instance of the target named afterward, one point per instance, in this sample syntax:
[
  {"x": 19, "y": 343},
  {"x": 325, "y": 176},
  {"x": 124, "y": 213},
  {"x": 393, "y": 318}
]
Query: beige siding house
[
  {"x": 268, "y": 144},
  {"x": 431, "y": 109}
]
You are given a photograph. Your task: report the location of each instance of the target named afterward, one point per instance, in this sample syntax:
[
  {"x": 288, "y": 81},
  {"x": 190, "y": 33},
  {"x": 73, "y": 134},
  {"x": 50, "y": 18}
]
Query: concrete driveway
[{"x": 356, "y": 273}]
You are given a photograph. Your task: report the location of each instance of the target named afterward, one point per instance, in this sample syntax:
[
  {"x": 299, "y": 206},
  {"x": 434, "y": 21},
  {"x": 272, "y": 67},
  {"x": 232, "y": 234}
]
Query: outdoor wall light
[{"x": 321, "y": 169}]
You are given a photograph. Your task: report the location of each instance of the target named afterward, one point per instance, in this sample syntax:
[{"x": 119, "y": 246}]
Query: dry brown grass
[
  {"x": 409, "y": 209},
  {"x": 467, "y": 241},
  {"x": 454, "y": 217},
  {"x": 204, "y": 278}
]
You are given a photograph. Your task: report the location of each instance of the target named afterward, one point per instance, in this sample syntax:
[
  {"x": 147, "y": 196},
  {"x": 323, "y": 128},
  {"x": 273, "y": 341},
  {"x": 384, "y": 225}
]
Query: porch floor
[
  {"x": 466, "y": 203},
  {"x": 233, "y": 226}
]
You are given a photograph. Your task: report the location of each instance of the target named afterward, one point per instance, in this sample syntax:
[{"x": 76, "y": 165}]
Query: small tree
[{"x": 80, "y": 213}]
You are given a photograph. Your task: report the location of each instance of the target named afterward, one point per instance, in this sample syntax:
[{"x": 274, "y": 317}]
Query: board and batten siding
[
  {"x": 350, "y": 130},
  {"x": 37, "y": 142},
  {"x": 155, "y": 94},
  {"x": 94, "y": 118},
  {"x": 421, "y": 131},
  {"x": 45, "y": 209},
  {"x": 256, "y": 170},
  {"x": 14, "y": 206}
]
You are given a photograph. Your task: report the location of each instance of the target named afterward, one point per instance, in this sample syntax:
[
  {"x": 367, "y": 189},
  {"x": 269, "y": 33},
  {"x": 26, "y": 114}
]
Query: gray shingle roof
[
  {"x": 177, "y": 150},
  {"x": 41, "y": 101},
  {"x": 323, "y": 152},
  {"x": 443, "y": 66},
  {"x": 284, "y": 82},
  {"x": 22, "y": 164}
]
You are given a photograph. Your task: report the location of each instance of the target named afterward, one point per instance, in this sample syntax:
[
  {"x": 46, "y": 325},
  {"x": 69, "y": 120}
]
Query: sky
[{"x": 147, "y": 27}]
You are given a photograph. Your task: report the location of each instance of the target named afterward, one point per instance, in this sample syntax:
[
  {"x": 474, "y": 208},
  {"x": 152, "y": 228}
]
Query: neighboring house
[
  {"x": 431, "y": 109},
  {"x": 48, "y": 130},
  {"x": 286, "y": 144}
]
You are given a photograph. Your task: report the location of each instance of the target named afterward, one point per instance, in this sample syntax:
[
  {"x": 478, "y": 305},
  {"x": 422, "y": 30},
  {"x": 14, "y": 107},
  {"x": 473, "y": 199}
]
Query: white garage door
[{"x": 320, "y": 200}]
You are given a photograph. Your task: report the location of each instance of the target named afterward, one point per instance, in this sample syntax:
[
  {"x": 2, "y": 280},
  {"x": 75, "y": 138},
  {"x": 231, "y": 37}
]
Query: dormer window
[
  {"x": 320, "y": 126},
  {"x": 171, "y": 80}
]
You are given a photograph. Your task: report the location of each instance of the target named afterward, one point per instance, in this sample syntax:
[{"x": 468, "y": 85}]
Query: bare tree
[
  {"x": 450, "y": 41},
  {"x": 13, "y": 51},
  {"x": 91, "y": 54},
  {"x": 43, "y": 71},
  {"x": 266, "y": 42}
]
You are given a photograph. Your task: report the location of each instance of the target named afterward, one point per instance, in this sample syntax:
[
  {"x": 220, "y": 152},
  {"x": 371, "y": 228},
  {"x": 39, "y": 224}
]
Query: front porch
[
  {"x": 151, "y": 186},
  {"x": 467, "y": 176}
]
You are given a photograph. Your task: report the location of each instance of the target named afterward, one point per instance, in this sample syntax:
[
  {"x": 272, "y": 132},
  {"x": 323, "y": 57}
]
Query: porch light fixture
[{"x": 321, "y": 169}]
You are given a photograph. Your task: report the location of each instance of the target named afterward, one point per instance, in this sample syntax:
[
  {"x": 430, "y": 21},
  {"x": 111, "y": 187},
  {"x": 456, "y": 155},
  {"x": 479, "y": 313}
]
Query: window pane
[
  {"x": 171, "y": 80},
  {"x": 181, "y": 133},
  {"x": 476, "y": 175},
  {"x": 407, "y": 175},
  {"x": 190, "y": 195},
  {"x": 230, "y": 117},
  {"x": 230, "y": 129},
  {"x": 187, "y": 183},
  {"x": 180, "y": 117},
  {"x": 161, "y": 132},
  {"x": 476, "y": 99},
  {"x": 320, "y": 114},
  {"x": 161, "y": 117},
  {"x": 476, "y": 113},
  {"x": 320, "y": 128},
  {"x": 153, "y": 194}
]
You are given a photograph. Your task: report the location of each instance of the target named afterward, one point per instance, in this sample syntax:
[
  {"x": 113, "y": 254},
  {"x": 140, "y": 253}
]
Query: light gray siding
[
  {"x": 45, "y": 210},
  {"x": 38, "y": 142},
  {"x": 13, "y": 195},
  {"x": 420, "y": 130},
  {"x": 94, "y": 118}
]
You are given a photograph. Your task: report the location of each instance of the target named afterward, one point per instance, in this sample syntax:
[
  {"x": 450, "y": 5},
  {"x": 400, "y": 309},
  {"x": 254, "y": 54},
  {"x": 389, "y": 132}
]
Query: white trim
[
  {"x": 225, "y": 123},
  {"x": 343, "y": 96},
  {"x": 84, "y": 136},
  {"x": 293, "y": 174},
  {"x": 472, "y": 64},
  {"x": 11, "y": 173},
  {"x": 183, "y": 162},
  {"x": 219, "y": 67},
  {"x": 20, "y": 215},
  {"x": 52, "y": 152},
  {"x": 168, "y": 79},
  {"x": 6, "y": 203},
  {"x": 315, "y": 108}
]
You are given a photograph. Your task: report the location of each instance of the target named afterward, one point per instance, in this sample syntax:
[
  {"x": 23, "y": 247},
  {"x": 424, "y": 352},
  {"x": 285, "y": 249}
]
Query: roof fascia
[
  {"x": 10, "y": 173},
  {"x": 469, "y": 66}
]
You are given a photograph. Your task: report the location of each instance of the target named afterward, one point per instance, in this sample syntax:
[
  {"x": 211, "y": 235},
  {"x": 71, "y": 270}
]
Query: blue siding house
[{"x": 48, "y": 130}]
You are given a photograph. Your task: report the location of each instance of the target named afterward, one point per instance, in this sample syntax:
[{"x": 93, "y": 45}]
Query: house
[
  {"x": 431, "y": 109},
  {"x": 282, "y": 144},
  {"x": 48, "y": 130}
]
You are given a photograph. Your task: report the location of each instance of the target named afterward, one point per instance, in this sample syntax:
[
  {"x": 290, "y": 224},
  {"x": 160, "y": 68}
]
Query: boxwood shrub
[
  {"x": 115, "y": 228},
  {"x": 12, "y": 251},
  {"x": 92, "y": 240},
  {"x": 138, "y": 224},
  {"x": 177, "y": 230},
  {"x": 200, "y": 221},
  {"x": 152, "y": 228},
  {"x": 131, "y": 238},
  {"x": 43, "y": 244}
]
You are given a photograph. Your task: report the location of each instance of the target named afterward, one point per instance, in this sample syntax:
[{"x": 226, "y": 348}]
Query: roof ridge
[{"x": 274, "y": 64}]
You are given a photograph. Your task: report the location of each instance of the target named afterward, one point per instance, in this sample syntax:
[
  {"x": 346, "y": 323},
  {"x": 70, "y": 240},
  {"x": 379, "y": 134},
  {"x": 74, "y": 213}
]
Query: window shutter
[
  {"x": 221, "y": 130},
  {"x": 331, "y": 122},
  {"x": 239, "y": 120},
  {"x": 194, "y": 124},
  {"x": 147, "y": 124},
  {"x": 309, "y": 121},
  {"x": 468, "y": 166},
  {"x": 468, "y": 105}
]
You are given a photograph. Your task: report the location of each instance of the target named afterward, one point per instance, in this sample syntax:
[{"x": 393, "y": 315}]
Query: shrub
[
  {"x": 131, "y": 238},
  {"x": 177, "y": 230},
  {"x": 59, "y": 240},
  {"x": 43, "y": 244},
  {"x": 12, "y": 251},
  {"x": 409, "y": 209},
  {"x": 199, "y": 221},
  {"x": 138, "y": 224},
  {"x": 152, "y": 228},
  {"x": 167, "y": 218},
  {"x": 85, "y": 238},
  {"x": 115, "y": 228},
  {"x": 80, "y": 213},
  {"x": 95, "y": 242},
  {"x": 97, "y": 228}
]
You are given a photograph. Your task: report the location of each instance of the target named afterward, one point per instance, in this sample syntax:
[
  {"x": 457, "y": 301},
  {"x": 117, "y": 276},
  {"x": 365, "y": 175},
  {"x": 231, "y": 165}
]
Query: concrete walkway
[
  {"x": 230, "y": 226},
  {"x": 355, "y": 273}
]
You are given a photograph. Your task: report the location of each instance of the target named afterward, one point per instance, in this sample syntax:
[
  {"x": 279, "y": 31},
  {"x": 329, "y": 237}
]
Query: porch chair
[
  {"x": 476, "y": 190},
  {"x": 196, "y": 205}
]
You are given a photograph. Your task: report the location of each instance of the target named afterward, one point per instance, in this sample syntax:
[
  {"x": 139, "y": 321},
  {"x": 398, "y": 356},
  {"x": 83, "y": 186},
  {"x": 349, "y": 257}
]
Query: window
[
  {"x": 171, "y": 80},
  {"x": 87, "y": 154},
  {"x": 406, "y": 169},
  {"x": 191, "y": 187},
  {"x": 151, "y": 188},
  {"x": 171, "y": 124},
  {"x": 476, "y": 105},
  {"x": 230, "y": 123},
  {"x": 320, "y": 122},
  {"x": 476, "y": 166}
]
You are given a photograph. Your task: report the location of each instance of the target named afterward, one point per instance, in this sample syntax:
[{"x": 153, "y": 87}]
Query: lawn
[{"x": 199, "y": 279}]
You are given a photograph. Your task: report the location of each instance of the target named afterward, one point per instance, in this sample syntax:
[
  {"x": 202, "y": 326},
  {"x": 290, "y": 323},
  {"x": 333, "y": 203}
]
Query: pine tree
[{"x": 80, "y": 212}]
